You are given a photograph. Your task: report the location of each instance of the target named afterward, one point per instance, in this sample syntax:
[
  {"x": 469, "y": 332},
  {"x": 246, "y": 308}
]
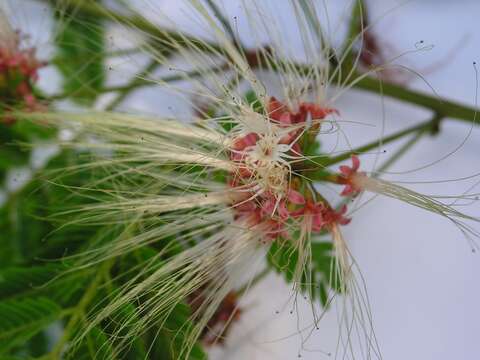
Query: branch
[
  {"x": 171, "y": 39},
  {"x": 318, "y": 172}
]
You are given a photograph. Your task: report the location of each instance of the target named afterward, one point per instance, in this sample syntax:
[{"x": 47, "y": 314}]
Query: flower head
[{"x": 264, "y": 166}]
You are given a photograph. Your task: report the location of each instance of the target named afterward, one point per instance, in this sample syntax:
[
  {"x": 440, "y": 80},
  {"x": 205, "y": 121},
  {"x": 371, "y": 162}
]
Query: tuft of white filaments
[{"x": 429, "y": 203}]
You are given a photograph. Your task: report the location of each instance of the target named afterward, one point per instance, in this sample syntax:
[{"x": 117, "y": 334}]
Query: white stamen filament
[
  {"x": 199, "y": 159},
  {"x": 419, "y": 200}
]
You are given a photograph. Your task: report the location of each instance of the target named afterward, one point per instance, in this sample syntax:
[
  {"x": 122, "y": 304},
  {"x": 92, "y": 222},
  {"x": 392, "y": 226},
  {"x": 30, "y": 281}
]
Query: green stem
[
  {"x": 318, "y": 171},
  {"x": 431, "y": 124},
  {"x": 400, "y": 152},
  {"x": 168, "y": 40},
  {"x": 141, "y": 82},
  {"x": 172, "y": 39},
  {"x": 226, "y": 25},
  {"x": 444, "y": 108},
  {"x": 138, "y": 80}
]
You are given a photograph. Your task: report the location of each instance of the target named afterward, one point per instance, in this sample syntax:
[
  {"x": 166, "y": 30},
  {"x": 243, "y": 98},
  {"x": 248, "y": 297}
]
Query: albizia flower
[
  {"x": 18, "y": 72},
  {"x": 227, "y": 187}
]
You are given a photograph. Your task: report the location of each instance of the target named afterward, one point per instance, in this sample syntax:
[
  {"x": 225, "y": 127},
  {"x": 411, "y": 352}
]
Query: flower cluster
[
  {"x": 18, "y": 73},
  {"x": 264, "y": 162}
]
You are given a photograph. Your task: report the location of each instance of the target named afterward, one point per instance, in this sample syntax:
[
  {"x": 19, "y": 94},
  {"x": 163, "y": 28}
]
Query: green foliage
[
  {"x": 15, "y": 143},
  {"x": 95, "y": 345},
  {"x": 22, "y": 319},
  {"x": 16, "y": 281},
  {"x": 318, "y": 276},
  {"x": 51, "y": 280},
  {"x": 252, "y": 100},
  {"x": 81, "y": 55},
  {"x": 171, "y": 338}
]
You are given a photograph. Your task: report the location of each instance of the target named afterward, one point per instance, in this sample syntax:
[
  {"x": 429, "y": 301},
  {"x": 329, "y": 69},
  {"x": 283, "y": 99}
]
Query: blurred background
[{"x": 419, "y": 270}]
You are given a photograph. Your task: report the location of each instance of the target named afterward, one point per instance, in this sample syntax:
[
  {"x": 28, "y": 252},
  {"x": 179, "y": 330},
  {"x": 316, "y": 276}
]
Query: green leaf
[
  {"x": 127, "y": 317},
  {"x": 13, "y": 151},
  {"x": 81, "y": 55},
  {"x": 252, "y": 100},
  {"x": 20, "y": 229},
  {"x": 38, "y": 344},
  {"x": 29, "y": 227},
  {"x": 50, "y": 280},
  {"x": 28, "y": 131},
  {"x": 22, "y": 319},
  {"x": 283, "y": 258},
  {"x": 96, "y": 345},
  {"x": 11, "y": 154},
  {"x": 18, "y": 280},
  {"x": 171, "y": 339}
]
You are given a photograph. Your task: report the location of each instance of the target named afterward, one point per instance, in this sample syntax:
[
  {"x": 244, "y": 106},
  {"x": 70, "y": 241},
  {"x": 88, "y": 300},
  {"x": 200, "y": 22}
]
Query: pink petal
[
  {"x": 345, "y": 170},
  {"x": 316, "y": 111},
  {"x": 317, "y": 222},
  {"x": 297, "y": 213},
  {"x": 285, "y": 118},
  {"x": 355, "y": 162},
  {"x": 296, "y": 149},
  {"x": 275, "y": 109},
  {"x": 250, "y": 139},
  {"x": 282, "y": 210},
  {"x": 347, "y": 190},
  {"x": 268, "y": 206},
  {"x": 295, "y": 197},
  {"x": 29, "y": 100},
  {"x": 245, "y": 206},
  {"x": 287, "y": 139},
  {"x": 236, "y": 155}
]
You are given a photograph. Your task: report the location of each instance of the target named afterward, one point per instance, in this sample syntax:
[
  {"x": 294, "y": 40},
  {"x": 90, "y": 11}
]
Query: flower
[
  {"x": 264, "y": 170},
  {"x": 321, "y": 215},
  {"x": 348, "y": 176},
  {"x": 18, "y": 71}
]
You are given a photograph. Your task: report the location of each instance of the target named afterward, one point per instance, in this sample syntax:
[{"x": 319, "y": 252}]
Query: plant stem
[
  {"x": 137, "y": 80},
  {"x": 318, "y": 171},
  {"x": 431, "y": 124},
  {"x": 400, "y": 152},
  {"x": 170, "y": 40},
  {"x": 442, "y": 107},
  {"x": 218, "y": 14},
  {"x": 141, "y": 82}
]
